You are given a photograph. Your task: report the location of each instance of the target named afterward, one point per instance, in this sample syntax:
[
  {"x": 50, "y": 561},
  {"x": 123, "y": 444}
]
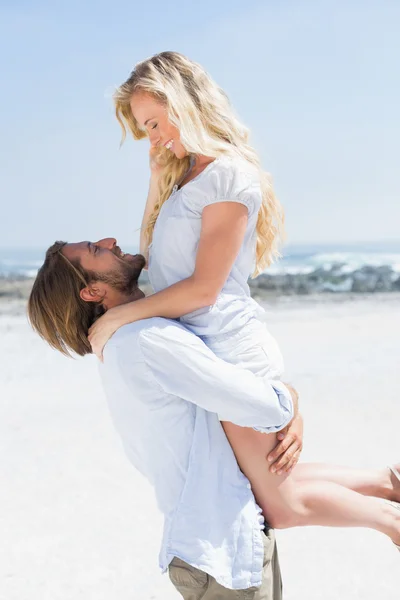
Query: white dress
[{"x": 172, "y": 257}]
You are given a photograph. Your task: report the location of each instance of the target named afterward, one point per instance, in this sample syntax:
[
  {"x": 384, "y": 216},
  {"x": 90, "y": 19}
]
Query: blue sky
[{"x": 316, "y": 81}]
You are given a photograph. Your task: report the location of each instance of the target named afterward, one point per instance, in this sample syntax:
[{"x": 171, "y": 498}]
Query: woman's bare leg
[
  {"x": 290, "y": 501},
  {"x": 380, "y": 483},
  {"x": 294, "y": 504}
]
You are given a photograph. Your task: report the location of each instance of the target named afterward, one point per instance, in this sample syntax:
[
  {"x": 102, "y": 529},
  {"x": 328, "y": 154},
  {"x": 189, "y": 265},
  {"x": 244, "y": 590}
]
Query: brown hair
[{"x": 56, "y": 310}]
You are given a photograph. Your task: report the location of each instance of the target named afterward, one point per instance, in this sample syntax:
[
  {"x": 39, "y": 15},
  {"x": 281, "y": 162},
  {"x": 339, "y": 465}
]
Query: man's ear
[{"x": 92, "y": 294}]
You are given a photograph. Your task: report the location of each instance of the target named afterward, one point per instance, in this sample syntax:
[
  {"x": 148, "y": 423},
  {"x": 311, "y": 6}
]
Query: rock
[
  {"x": 396, "y": 284},
  {"x": 373, "y": 279}
]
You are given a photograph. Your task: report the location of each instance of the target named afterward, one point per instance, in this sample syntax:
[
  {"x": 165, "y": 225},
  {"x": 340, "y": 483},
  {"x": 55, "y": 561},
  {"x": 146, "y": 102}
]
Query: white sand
[{"x": 76, "y": 520}]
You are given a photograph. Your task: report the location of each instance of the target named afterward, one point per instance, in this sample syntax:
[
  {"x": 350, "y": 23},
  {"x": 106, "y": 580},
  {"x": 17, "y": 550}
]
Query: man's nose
[{"x": 108, "y": 243}]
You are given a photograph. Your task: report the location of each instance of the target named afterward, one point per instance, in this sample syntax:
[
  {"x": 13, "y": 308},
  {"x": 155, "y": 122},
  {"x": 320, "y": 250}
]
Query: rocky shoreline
[
  {"x": 336, "y": 279},
  {"x": 15, "y": 287}
]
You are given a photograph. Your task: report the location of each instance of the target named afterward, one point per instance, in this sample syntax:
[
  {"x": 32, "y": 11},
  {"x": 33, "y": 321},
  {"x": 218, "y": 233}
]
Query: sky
[{"x": 317, "y": 82}]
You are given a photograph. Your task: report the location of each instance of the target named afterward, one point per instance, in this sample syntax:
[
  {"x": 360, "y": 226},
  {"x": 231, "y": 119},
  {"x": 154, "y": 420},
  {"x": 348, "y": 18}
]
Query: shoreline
[
  {"x": 264, "y": 288},
  {"x": 14, "y": 296}
]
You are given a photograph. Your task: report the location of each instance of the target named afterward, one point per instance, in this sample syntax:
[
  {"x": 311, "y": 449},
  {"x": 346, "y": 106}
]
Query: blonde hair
[{"x": 202, "y": 113}]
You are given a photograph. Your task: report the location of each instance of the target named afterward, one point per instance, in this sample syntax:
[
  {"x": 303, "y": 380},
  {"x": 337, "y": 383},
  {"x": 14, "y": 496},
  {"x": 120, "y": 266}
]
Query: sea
[{"x": 296, "y": 259}]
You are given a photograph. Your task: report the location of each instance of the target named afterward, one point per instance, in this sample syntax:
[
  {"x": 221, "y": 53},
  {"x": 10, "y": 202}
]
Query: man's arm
[
  {"x": 295, "y": 399},
  {"x": 185, "y": 367}
]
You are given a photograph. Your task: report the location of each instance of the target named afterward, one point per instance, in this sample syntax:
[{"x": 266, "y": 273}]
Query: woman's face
[{"x": 152, "y": 117}]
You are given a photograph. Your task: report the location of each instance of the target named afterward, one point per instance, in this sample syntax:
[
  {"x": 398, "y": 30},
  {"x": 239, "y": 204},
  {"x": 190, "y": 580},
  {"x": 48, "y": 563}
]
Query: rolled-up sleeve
[{"x": 185, "y": 367}]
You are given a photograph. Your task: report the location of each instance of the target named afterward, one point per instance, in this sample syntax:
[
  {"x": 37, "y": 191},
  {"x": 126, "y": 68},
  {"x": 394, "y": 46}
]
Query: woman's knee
[
  {"x": 285, "y": 517},
  {"x": 288, "y": 508}
]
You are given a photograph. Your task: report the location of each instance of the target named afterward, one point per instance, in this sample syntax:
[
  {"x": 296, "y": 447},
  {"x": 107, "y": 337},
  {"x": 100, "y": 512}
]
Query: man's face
[{"x": 108, "y": 266}]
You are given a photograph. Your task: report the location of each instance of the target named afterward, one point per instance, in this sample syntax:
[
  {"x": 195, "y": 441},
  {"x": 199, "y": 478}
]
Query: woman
[{"x": 211, "y": 219}]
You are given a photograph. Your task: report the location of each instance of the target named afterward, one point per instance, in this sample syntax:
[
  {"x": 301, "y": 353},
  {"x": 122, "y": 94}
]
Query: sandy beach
[{"x": 77, "y": 522}]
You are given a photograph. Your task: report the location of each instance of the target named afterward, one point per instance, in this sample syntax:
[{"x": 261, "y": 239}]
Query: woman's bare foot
[
  {"x": 396, "y": 539},
  {"x": 394, "y": 482}
]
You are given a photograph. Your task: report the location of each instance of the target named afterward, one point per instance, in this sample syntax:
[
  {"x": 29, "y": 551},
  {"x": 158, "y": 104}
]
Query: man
[{"x": 167, "y": 393}]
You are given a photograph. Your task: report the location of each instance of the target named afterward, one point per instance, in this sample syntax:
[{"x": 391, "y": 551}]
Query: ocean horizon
[{"x": 296, "y": 258}]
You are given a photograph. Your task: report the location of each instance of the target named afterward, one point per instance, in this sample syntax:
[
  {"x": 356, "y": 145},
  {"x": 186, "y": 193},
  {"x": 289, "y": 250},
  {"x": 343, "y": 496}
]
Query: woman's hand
[
  {"x": 155, "y": 162},
  {"x": 152, "y": 197},
  {"x": 101, "y": 331}
]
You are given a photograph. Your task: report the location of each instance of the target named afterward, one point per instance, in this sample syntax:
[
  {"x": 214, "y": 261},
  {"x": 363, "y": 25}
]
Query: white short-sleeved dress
[{"x": 233, "y": 327}]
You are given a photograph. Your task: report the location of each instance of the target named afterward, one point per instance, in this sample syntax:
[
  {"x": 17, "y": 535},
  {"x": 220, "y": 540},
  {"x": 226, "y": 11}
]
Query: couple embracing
[{"x": 191, "y": 373}]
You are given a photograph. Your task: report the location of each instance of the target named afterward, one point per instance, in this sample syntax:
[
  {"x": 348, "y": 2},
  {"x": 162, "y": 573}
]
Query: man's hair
[{"x": 56, "y": 310}]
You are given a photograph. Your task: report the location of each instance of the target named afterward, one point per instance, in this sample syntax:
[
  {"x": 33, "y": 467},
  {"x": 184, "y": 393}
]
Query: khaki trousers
[{"x": 193, "y": 584}]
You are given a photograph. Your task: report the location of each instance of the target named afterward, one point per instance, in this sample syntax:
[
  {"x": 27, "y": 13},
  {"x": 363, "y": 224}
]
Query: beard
[{"x": 124, "y": 278}]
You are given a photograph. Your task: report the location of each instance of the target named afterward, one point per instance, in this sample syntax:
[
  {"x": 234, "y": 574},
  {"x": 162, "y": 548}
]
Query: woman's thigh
[{"x": 254, "y": 349}]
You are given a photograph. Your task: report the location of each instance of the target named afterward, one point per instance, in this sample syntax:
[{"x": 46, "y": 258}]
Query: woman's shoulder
[{"x": 231, "y": 175}]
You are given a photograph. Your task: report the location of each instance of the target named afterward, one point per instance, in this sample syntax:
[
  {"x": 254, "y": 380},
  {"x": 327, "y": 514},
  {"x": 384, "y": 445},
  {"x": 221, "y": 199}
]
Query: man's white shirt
[{"x": 167, "y": 393}]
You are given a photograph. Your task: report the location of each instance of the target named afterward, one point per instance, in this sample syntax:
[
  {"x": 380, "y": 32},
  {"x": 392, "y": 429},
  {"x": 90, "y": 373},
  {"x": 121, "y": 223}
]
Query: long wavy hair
[
  {"x": 208, "y": 126},
  {"x": 55, "y": 309}
]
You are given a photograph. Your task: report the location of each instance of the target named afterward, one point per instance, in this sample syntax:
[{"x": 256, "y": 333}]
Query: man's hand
[{"x": 287, "y": 452}]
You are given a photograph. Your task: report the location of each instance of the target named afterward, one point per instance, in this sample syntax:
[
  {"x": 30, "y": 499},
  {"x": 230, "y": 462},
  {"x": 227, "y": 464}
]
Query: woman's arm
[
  {"x": 222, "y": 232},
  {"x": 152, "y": 197},
  {"x": 149, "y": 208}
]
